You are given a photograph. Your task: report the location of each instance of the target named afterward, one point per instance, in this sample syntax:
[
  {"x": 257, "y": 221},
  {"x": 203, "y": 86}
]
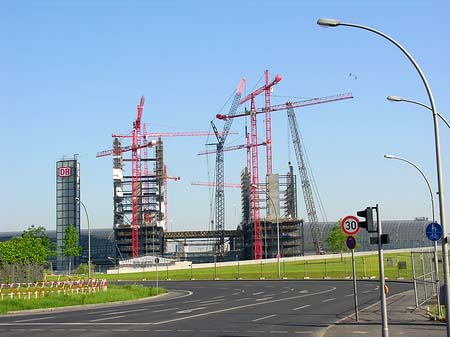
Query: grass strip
[{"x": 113, "y": 294}]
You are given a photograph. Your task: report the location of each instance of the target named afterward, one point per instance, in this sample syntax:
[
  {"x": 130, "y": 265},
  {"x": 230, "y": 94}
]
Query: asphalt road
[{"x": 209, "y": 308}]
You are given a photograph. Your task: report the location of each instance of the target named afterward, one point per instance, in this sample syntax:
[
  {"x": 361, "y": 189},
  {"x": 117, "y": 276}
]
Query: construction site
[{"x": 269, "y": 224}]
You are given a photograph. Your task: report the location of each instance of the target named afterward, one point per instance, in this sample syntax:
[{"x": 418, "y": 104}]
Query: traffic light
[{"x": 368, "y": 223}]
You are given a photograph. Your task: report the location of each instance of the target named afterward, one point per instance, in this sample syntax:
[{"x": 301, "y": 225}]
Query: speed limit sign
[{"x": 349, "y": 225}]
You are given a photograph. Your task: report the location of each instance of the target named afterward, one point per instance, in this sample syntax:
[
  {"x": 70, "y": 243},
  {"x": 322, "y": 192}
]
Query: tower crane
[
  {"x": 220, "y": 198},
  {"x": 306, "y": 186}
]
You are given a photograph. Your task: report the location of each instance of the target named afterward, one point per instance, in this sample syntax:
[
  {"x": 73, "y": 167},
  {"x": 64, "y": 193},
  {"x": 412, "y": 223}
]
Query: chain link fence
[{"x": 425, "y": 276}]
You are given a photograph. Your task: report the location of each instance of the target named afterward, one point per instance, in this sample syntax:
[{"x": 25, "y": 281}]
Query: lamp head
[
  {"x": 324, "y": 22},
  {"x": 394, "y": 98},
  {"x": 77, "y": 199},
  {"x": 388, "y": 156}
]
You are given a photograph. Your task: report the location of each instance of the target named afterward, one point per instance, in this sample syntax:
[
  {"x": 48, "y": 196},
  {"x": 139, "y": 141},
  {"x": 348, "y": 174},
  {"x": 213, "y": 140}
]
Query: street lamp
[
  {"x": 335, "y": 23},
  {"x": 89, "y": 236},
  {"x": 436, "y": 272},
  {"x": 278, "y": 226},
  {"x": 401, "y": 99}
]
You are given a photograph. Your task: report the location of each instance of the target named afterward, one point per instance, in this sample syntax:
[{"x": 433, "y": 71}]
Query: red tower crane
[{"x": 307, "y": 192}]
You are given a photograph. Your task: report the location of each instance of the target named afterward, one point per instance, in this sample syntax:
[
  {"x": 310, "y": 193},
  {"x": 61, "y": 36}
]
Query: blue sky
[{"x": 72, "y": 73}]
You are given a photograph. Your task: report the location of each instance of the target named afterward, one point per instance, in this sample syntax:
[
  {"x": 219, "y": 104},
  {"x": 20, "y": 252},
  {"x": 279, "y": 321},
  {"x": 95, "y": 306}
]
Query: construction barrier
[{"x": 44, "y": 288}]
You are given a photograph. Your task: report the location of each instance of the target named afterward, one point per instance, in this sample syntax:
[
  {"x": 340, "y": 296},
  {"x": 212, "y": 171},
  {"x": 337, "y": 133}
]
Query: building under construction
[{"x": 281, "y": 230}]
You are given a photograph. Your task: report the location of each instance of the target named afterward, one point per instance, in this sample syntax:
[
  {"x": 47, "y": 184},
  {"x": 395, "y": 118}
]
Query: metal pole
[
  {"x": 414, "y": 279},
  {"x": 239, "y": 271},
  {"x": 215, "y": 267},
  {"x": 89, "y": 237},
  {"x": 385, "y": 329},
  {"x": 436, "y": 279},
  {"x": 445, "y": 259},
  {"x": 355, "y": 289},
  {"x": 156, "y": 279}
]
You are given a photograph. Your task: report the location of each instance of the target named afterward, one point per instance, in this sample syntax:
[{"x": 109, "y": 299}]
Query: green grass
[
  {"x": 113, "y": 294},
  {"x": 366, "y": 267}
]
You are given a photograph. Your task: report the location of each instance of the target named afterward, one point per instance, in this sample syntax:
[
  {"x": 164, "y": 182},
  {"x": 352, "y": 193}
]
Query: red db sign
[{"x": 64, "y": 172}]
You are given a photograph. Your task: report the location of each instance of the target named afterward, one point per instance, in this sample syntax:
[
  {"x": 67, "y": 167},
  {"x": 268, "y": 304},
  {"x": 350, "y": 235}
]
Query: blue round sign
[{"x": 433, "y": 231}]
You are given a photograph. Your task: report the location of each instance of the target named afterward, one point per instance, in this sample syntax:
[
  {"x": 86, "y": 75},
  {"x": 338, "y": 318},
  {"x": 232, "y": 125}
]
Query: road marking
[
  {"x": 208, "y": 330},
  {"x": 168, "y": 309},
  {"x": 303, "y": 306},
  {"x": 33, "y": 319},
  {"x": 359, "y": 332},
  {"x": 77, "y": 329},
  {"x": 62, "y": 330},
  {"x": 122, "y": 330},
  {"x": 367, "y": 291},
  {"x": 192, "y": 301},
  {"x": 36, "y": 329},
  {"x": 188, "y": 311},
  {"x": 141, "y": 330},
  {"x": 303, "y": 291},
  {"x": 274, "y": 331},
  {"x": 255, "y": 331},
  {"x": 240, "y": 307},
  {"x": 284, "y": 292},
  {"x": 328, "y": 300},
  {"x": 162, "y": 330},
  {"x": 96, "y": 330},
  {"x": 242, "y": 299},
  {"x": 213, "y": 303},
  {"x": 348, "y": 295},
  {"x": 184, "y": 330},
  {"x": 305, "y": 332},
  {"x": 219, "y": 297},
  {"x": 234, "y": 294},
  {"x": 261, "y": 318},
  {"x": 106, "y": 318},
  {"x": 123, "y": 312},
  {"x": 157, "y": 305},
  {"x": 204, "y": 302},
  {"x": 261, "y": 292},
  {"x": 264, "y": 299}
]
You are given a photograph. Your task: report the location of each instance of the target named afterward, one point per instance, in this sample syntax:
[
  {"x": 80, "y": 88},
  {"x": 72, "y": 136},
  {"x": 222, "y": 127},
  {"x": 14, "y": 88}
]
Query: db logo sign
[{"x": 64, "y": 172}]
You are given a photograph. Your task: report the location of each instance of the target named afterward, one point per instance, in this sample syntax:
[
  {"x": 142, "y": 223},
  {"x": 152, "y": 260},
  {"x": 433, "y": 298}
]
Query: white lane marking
[
  {"x": 213, "y": 303},
  {"x": 359, "y": 332},
  {"x": 163, "y": 330},
  {"x": 242, "y": 299},
  {"x": 303, "y": 306},
  {"x": 36, "y": 329},
  {"x": 203, "y": 302},
  {"x": 192, "y": 301},
  {"x": 106, "y": 318},
  {"x": 367, "y": 291},
  {"x": 348, "y": 295},
  {"x": 274, "y": 331},
  {"x": 219, "y": 297},
  {"x": 328, "y": 300},
  {"x": 33, "y": 319},
  {"x": 188, "y": 311},
  {"x": 168, "y": 309},
  {"x": 184, "y": 330},
  {"x": 264, "y": 299},
  {"x": 208, "y": 330},
  {"x": 122, "y": 330},
  {"x": 261, "y": 318},
  {"x": 255, "y": 331},
  {"x": 284, "y": 292},
  {"x": 155, "y": 306},
  {"x": 77, "y": 329},
  {"x": 234, "y": 294},
  {"x": 141, "y": 330},
  {"x": 123, "y": 312},
  {"x": 96, "y": 330},
  {"x": 259, "y": 293},
  {"x": 303, "y": 291},
  {"x": 308, "y": 332}
]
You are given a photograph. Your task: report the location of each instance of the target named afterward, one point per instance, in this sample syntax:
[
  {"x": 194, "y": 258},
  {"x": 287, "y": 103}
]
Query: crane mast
[
  {"x": 220, "y": 193},
  {"x": 305, "y": 181}
]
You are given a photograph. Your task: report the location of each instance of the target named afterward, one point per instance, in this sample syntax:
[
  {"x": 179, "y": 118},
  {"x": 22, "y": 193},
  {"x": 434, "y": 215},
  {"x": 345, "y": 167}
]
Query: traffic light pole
[{"x": 385, "y": 329}]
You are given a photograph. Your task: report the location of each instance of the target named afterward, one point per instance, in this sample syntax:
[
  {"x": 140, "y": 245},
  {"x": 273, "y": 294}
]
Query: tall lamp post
[
  {"x": 89, "y": 236},
  {"x": 401, "y": 99},
  {"x": 436, "y": 271},
  {"x": 335, "y": 23},
  {"x": 278, "y": 227}
]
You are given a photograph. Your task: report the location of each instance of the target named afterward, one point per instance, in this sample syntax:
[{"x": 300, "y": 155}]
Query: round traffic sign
[
  {"x": 433, "y": 231},
  {"x": 349, "y": 225},
  {"x": 351, "y": 242}
]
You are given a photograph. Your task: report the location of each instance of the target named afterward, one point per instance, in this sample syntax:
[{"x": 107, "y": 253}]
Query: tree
[
  {"x": 336, "y": 239},
  {"x": 33, "y": 246},
  {"x": 70, "y": 247}
]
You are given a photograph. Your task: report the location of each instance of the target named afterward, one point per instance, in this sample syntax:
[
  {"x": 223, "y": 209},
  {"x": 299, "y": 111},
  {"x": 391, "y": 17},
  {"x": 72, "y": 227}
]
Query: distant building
[{"x": 67, "y": 207}]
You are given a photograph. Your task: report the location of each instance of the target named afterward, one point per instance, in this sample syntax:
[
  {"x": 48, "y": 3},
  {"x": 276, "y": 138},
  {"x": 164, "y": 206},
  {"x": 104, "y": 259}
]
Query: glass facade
[{"x": 67, "y": 207}]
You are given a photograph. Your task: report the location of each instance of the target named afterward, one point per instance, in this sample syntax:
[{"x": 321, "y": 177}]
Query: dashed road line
[
  {"x": 348, "y": 295},
  {"x": 304, "y": 332},
  {"x": 168, "y": 309},
  {"x": 258, "y": 293},
  {"x": 123, "y": 312},
  {"x": 264, "y": 299},
  {"x": 218, "y": 297},
  {"x": 106, "y": 318},
  {"x": 367, "y": 291},
  {"x": 261, "y": 318},
  {"x": 33, "y": 319},
  {"x": 280, "y": 331},
  {"x": 303, "y": 306},
  {"x": 328, "y": 300}
]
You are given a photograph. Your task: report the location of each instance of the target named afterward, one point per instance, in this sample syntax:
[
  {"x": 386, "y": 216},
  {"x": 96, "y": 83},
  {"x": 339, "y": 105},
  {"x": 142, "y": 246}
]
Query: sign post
[
  {"x": 157, "y": 262},
  {"x": 349, "y": 226}
]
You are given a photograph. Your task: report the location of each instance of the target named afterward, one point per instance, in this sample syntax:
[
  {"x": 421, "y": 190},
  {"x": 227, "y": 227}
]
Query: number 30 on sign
[{"x": 349, "y": 225}]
